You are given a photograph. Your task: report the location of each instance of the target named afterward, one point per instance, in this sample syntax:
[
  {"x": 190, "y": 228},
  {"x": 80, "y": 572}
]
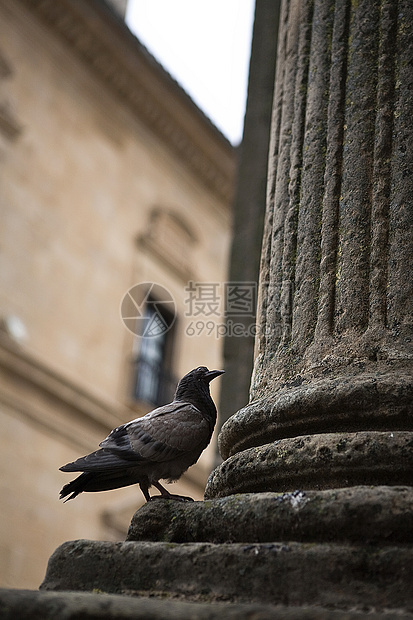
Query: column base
[
  {"x": 361, "y": 514},
  {"x": 268, "y": 549},
  {"x": 324, "y": 461},
  {"x": 358, "y": 401}
]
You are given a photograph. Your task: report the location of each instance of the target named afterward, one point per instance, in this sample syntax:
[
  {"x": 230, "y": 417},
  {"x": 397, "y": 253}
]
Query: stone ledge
[
  {"x": 32, "y": 605},
  {"x": 292, "y": 574},
  {"x": 358, "y": 514},
  {"x": 324, "y": 461}
]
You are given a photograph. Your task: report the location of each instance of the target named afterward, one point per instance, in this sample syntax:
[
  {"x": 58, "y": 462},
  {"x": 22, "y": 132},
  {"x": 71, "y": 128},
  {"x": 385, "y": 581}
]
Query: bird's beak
[{"x": 212, "y": 374}]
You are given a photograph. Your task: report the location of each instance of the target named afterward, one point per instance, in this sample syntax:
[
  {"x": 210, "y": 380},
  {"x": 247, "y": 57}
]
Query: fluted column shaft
[{"x": 334, "y": 348}]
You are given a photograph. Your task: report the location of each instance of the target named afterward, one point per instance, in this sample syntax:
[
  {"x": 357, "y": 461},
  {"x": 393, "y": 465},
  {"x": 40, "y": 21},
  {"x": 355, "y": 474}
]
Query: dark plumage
[{"x": 159, "y": 446}]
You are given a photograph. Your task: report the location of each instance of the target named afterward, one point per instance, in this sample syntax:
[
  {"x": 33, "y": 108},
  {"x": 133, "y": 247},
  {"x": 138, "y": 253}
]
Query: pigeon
[{"x": 158, "y": 446}]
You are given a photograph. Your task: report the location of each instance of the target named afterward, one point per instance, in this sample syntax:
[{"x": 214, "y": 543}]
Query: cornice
[
  {"x": 35, "y": 391},
  {"x": 105, "y": 44}
]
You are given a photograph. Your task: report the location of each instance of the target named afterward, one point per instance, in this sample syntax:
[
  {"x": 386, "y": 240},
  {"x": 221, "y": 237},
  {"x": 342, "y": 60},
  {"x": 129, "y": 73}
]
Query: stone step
[
  {"x": 362, "y": 514},
  {"x": 345, "y": 576},
  {"x": 32, "y": 605}
]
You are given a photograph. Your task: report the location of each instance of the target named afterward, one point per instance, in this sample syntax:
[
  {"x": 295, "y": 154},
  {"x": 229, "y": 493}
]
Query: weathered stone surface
[
  {"x": 31, "y": 605},
  {"x": 331, "y": 402},
  {"x": 357, "y": 514},
  {"x": 334, "y": 340},
  {"x": 337, "y": 249},
  {"x": 327, "y": 575},
  {"x": 328, "y": 460},
  {"x": 358, "y": 400}
]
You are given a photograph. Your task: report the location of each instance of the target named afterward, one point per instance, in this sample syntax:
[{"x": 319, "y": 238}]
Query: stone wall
[{"x": 97, "y": 143}]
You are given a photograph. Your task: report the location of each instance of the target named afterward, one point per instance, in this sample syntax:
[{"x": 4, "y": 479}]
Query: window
[{"x": 154, "y": 382}]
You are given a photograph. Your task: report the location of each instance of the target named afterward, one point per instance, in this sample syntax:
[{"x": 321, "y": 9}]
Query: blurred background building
[{"x": 110, "y": 177}]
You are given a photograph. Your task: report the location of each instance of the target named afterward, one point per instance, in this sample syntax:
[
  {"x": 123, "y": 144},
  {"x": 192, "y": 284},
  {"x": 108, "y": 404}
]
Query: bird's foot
[
  {"x": 182, "y": 498},
  {"x": 165, "y": 494},
  {"x": 178, "y": 498}
]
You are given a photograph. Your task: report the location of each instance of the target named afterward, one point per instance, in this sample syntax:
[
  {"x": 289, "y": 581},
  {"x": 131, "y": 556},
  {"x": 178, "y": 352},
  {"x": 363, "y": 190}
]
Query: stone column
[
  {"x": 331, "y": 397},
  {"x": 249, "y": 202}
]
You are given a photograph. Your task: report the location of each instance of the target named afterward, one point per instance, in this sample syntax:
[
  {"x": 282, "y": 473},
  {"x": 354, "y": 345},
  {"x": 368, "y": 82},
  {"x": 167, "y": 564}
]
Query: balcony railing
[{"x": 152, "y": 383}]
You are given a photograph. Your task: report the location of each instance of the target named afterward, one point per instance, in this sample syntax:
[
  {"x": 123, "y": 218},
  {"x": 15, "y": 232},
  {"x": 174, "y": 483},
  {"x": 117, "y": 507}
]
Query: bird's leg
[
  {"x": 166, "y": 495},
  {"x": 145, "y": 490}
]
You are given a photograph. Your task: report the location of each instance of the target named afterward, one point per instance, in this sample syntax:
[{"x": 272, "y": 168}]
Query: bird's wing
[
  {"x": 116, "y": 453},
  {"x": 162, "y": 435},
  {"x": 102, "y": 460}
]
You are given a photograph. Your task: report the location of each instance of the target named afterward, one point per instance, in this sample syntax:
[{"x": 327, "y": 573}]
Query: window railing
[{"x": 152, "y": 383}]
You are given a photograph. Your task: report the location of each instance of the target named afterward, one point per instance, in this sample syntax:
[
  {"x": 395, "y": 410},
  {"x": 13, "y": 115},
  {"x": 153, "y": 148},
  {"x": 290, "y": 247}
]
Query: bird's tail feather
[
  {"x": 73, "y": 488},
  {"x": 92, "y": 482}
]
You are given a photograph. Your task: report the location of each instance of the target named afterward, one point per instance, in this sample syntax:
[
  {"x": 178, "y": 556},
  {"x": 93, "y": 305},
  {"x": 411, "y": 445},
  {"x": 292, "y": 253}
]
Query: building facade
[{"x": 111, "y": 177}]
